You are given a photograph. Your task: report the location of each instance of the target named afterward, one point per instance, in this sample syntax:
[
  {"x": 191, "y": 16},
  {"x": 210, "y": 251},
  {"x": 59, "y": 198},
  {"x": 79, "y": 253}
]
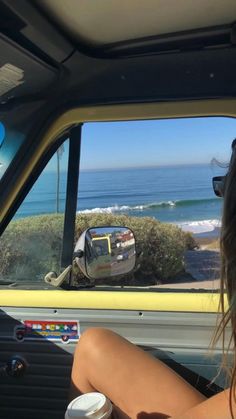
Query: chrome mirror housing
[{"x": 103, "y": 252}]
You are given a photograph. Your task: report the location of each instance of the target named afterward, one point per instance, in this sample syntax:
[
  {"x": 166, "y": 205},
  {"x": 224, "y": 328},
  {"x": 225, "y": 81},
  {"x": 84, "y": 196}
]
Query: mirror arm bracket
[{"x": 52, "y": 278}]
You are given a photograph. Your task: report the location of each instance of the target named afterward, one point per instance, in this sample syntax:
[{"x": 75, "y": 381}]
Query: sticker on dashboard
[{"x": 62, "y": 331}]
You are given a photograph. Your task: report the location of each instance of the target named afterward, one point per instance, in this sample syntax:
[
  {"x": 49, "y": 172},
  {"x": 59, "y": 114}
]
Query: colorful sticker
[{"x": 63, "y": 331}]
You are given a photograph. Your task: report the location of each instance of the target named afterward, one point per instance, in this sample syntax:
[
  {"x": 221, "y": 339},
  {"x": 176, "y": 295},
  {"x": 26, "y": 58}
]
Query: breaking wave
[
  {"x": 164, "y": 204},
  {"x": 196, "y": 227}
]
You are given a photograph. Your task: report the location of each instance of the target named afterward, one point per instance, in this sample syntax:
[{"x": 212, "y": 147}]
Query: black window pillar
[{"x": 71, "y": 196}]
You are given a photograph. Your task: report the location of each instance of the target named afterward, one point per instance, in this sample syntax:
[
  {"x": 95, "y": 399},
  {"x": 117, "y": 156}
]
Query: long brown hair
[{"x": 228, "y": 276}]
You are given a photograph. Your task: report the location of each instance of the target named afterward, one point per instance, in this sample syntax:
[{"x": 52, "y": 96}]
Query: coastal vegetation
[{"x": 31, "y": 247}]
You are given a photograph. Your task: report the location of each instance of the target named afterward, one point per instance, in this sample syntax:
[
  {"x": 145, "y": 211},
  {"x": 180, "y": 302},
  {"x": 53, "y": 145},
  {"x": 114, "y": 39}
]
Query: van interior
[{"x": 70, "y": 69}]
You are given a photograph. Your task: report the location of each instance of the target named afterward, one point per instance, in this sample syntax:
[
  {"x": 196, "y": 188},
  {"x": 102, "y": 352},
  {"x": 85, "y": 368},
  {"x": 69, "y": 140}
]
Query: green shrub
[{"x": 31, "y": 247}]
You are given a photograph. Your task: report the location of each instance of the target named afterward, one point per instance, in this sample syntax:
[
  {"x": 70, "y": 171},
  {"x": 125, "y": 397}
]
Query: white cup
[{"x": 89, "y": 406}]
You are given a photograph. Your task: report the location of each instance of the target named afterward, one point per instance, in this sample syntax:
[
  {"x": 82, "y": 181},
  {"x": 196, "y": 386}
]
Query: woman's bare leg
[{"x": 133, "y": 380}]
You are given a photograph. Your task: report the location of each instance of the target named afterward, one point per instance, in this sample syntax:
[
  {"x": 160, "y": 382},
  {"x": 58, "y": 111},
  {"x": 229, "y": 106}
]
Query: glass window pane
[
  {"x": 156, "y": 178},
  {"x": 31, "y": 245}
]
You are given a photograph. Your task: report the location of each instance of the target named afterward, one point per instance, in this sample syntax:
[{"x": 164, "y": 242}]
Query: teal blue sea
[{"x": 177, "y": 194}]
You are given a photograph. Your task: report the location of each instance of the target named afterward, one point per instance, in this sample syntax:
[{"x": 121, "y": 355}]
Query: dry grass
[{"x": 208, "y": 243}]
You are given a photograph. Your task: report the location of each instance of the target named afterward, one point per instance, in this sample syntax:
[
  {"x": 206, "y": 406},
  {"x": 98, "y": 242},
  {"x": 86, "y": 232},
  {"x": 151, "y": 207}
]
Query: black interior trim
[
  {"x": 180, "y": 41},
  {"x": 175, "y": 42},
  {"x": 11, "y": 26},
  {"x": 109, "y": 288},
  {"x": 23, "y": 23}
]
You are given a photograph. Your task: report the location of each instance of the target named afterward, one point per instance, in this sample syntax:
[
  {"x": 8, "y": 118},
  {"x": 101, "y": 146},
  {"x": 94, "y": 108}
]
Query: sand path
[{"x": 203, "y": 267}]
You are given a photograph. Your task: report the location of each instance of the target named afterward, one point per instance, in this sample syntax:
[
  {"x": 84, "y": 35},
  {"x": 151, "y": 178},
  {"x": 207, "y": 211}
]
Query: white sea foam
[
  {"x": 202, "y": 226},
  {"x": 126, "y": 208},
  {"x": 108, "y": 210},
  {"x": 151, "y": 206},
  {"x": 113, "y": 209}
]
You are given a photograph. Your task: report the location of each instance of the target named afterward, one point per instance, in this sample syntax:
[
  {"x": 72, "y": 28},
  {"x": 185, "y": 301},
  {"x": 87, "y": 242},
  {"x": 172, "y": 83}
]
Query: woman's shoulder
[{"x": 216, "y": 407}]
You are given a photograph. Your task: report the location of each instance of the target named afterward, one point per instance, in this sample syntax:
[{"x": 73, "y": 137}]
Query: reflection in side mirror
[{"x": 103, "y": 252}]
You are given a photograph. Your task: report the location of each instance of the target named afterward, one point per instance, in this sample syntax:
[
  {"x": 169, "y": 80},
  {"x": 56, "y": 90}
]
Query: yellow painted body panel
[
  {"x": 111, "y": 300},
  {"x": 104, "y": 238}
]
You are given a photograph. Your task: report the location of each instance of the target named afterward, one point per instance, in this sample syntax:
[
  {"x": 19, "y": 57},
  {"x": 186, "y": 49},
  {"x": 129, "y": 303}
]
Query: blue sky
[{"x": 155, "y": 143}]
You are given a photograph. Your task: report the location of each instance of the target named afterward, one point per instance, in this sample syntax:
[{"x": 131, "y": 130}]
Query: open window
[{"x": 156, "y": 177}]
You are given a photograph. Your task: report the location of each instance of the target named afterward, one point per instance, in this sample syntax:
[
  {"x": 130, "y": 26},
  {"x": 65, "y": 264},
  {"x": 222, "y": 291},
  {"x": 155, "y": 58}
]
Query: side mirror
[
  {"x": 218, "y": 185},
  {"x": 103, "y": 252}
]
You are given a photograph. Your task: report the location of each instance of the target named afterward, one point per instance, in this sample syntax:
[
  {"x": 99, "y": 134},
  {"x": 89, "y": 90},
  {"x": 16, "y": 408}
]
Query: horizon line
[{"x": 141, "y": 167}]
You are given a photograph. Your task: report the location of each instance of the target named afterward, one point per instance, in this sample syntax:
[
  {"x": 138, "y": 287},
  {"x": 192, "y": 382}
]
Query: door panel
[{"x": 42, "y": 392}]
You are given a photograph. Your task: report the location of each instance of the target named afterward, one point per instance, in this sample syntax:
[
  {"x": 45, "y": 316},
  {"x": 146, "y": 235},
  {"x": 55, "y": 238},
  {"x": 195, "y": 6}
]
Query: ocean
[{"x": 178, "y": 194}]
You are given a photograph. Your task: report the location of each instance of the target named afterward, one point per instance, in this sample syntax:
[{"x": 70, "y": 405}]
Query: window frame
[{"x": 53, "y": 137}]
